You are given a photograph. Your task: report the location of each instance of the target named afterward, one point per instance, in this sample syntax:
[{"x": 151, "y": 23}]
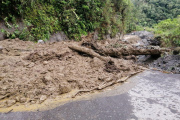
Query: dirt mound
[
  {"x": 32, "y": 73},
  {"x": 169, "y": 63}
]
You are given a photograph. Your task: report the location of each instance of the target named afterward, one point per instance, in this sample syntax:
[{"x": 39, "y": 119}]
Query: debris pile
[{"x": 31, "y": 73}]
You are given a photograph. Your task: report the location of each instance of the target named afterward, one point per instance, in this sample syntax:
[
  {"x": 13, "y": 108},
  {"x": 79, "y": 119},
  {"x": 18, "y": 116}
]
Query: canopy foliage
[
  {"x": 74, "y": 17},
  {"x": 169, "y": 30},
  {"x": 150, "y": 12}
]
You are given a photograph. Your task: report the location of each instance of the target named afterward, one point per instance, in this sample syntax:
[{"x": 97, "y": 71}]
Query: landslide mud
[{"x": 32, "y": 73}]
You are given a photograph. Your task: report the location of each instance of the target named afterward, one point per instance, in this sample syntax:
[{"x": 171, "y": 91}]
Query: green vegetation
[
  {"x": 169, "y": 30},
  {"x": 42, "y": 18},
  {"x": 75, "y": 17},
  {"x": 150, "y": 12},
  {"x": 160, "y": 16}
]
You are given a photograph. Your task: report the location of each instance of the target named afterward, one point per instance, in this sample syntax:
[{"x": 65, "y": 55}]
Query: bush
[{"x": 169, "y": 30}]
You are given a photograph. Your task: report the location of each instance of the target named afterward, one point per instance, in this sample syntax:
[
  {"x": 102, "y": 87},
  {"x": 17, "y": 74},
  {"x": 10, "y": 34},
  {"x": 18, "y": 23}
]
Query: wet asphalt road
[{"x": 150, "y": 95}]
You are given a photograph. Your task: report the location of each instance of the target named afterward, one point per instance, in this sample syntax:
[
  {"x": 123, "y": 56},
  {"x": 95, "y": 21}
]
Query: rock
[
  {"x": 4, "y": 87},
  {"x": 64, "y": 89},
  {"x": 176, "y": 51},
  {"x": 33, "y": 102},
  {"x": 41, "y": 41},
  {"x": 146, "y": 36},
  {"x": 17, "y": 99},
  {"x": 45, "y": 62},
  {"x": 48, "y": 77},
  {"x": 60, "y": 75},
  {"x": 170, "y": 63},
  {"x": 17, "y": 39},
  {"x": 16, "y": 53},
  {"x": 42, "y": 98},
  {"x": 57, "y": 37},
  {"x": 22, "y": 100},
  {"x": 133, "y": 39},
  {"x": 10, "y": 102}
]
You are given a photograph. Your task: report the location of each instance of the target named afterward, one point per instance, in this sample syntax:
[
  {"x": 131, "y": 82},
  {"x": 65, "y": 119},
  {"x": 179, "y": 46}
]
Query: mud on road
[{"x": 32, "y": 73}]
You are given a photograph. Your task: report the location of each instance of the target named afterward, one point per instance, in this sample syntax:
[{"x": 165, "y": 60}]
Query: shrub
[{"x": 169, "y": 30}]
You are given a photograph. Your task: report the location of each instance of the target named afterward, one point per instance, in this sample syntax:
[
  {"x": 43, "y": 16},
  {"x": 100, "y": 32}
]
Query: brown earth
[{"x": 31, "y": 73}]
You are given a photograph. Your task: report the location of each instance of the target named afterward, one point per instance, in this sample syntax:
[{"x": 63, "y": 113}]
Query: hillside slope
[{"x": 151, "y": 12}]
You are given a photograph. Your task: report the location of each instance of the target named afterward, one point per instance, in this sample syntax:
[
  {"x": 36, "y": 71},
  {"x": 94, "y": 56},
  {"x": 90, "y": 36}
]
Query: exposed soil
[{"x": 31, "y": 73}]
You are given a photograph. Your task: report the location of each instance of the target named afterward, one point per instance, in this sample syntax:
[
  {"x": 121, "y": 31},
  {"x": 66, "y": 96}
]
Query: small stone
[
  {"x": 17, "y": 99},
  {"x": 42, "y": 98},
  {"x": 17, "y": 39},
  {"x": 60, "y": 75},
  {"x": 22, "y": 100},
  {"x": 4, "y": 87},
  {"x": 64, "y": 89},
  {"x": 48, "y": 77},
  {"x": 45, "y": 62},
  {"x": 33, "y": 102},
  {"x": 16, "y": 53},
  {"x": 26, "y": 63},
  {"x": 31, "y": 65},
  {"x": 41, "y": 41},
  {"x": 10, "y": 102}
]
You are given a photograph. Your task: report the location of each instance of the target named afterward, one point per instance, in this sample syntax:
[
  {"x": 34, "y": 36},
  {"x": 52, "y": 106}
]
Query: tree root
[
  {"x": 105, "y": 84},
  {"x": 7, "y": 95}
]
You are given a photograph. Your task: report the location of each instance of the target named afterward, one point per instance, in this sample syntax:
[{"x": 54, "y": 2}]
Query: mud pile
[{"x": 31, "y": 73}]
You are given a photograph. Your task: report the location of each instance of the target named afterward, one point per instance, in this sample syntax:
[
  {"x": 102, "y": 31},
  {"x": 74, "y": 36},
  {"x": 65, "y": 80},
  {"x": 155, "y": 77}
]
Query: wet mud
[{"x": 32, "y": 73}]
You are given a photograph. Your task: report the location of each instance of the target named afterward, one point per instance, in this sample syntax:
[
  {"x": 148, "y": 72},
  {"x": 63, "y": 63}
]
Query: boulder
[
  {"x": 146, "y": 36},
  {"x": 57, "y": 37}
]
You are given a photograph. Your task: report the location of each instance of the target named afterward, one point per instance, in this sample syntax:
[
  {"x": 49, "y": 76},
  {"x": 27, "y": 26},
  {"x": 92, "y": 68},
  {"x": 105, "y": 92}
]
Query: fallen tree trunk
[
  {"x": 88, "y": 52},
  {"x": 124, "y": 51},
  {"x": 109, "y": 63}
]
